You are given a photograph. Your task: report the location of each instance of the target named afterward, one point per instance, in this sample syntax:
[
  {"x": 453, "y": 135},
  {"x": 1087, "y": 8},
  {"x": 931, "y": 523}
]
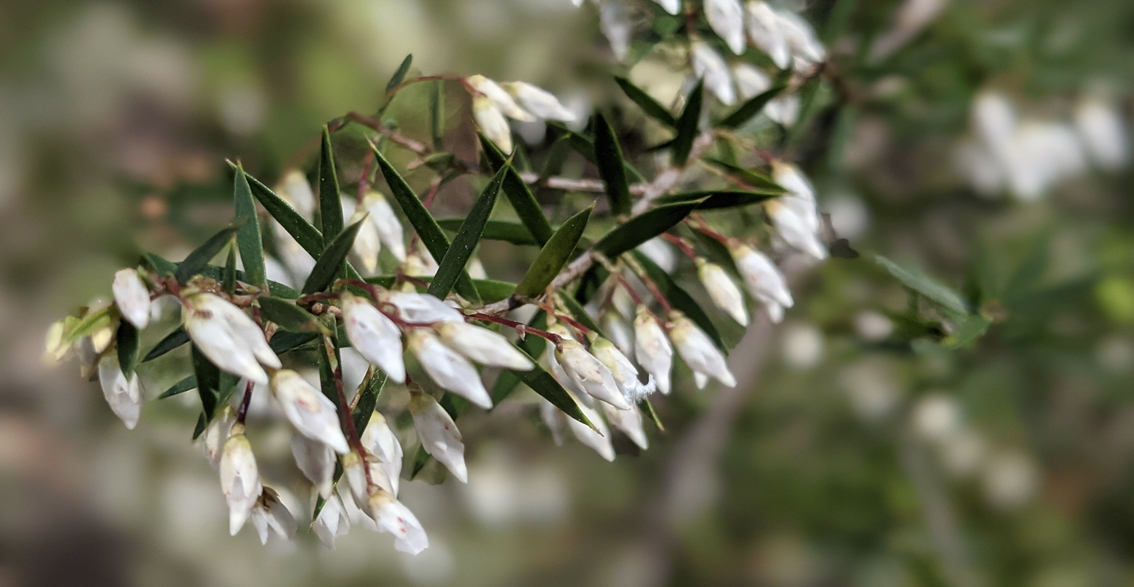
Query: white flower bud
[
  {"x": 439, "y": 435},
  {"x": 374, "y": 336},
  {"x": 652, "y": 349},
  {"x": 483, "y": 346},
  {"x": 700, "y": 380},
  {"x": 132, "y": 297},
  {"x": 311, "y": 412},
  {"x": 316, "y": 461},
  {"x": 228, "y": 337},
  {"x": 1102, "y": 132},
  {"x": 726, "y": 17},
  {"x": 615, "y": 23},
  {"x": 795, "y": 230},
  {"x": 217, "y": 433},
  {"x": 395, "y": 518},
  {"x": 588, "y": 373},
  {"x": 538, "y": 101},
  {"x": 623, "y": 371},
  {"x": 492, "y": 123},
  {"x": 784, "y": 110},
  {"x": 101, "y": 338},
  {"x": 123, "y": 395},
  {"x": 670, "y": 6},
  {"x": 660, "y": 252},
  {"x": 554, "y": 419},
  {"x": 722, "y": 290},
  {"x": 54, "y": 349},
  {"x": 355, "y": 472},
  {"x": 423, "y": 308},
  {"x": 698, "y": 350},
  {"x": 380, "y": 441},
  {"x": 271, "y": 514},
  {"x": 295, "y": 190},
  {"x": 448, "y": 368},
  {"x": 629, "y": 422},
  {"x": 711, "y": 67},
  {"x": 805, "y": 46},
  {"x": 240, "y": 479},
  {"x": 332, "y": 521},
  {"x": 500, "y": 98},
  {"x": 367, "y": 244},
  {"x": 764, "y": 31},
  {"x": 801, "y": 195},
  {"x": 764, "y": 281},
  {"x": 598, "y": 440},
  {"x": 389, "y": 228},
  {"x": 751, "y": 81},
  {"x": 620, "y": 333}
]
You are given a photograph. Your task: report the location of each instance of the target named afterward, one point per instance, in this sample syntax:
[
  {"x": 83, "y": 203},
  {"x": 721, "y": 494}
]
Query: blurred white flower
[
  {"x": 295, "y": 190},
  {"x": 122, "y": 394},
  {"x": 316, "y": 461},
  {"x": 448, "y": 368},
  {"x": 397, "y": 519},
  {"x": 660, "y": 252},
  {"x": 500, "y": 98},
  {"x": 438, "y": 434},
  {"x": 228, "y": 337},
  {"x": 367, "y": 243},
  {"x": 554, "y": 419},
  {"x": 670, "y": 6},
  {"x": 332, "y": 521},
  {"x": 764, "y": 281},
  {"x": 800, "y": 196},
  {"x": 597, "y": 438},
  {"x": 492, "y": 123},
  {"x": 751, "y": 81},
  {"x": 1010, "y": 479},
  {"x": 270, "y": 513},
  {"x": 630, "y": 422},
  {"x": 936, "y": 417},
  {"x": 1103, "y": 132},
  {"x": 311, "y": 412},
  {"x": 240, "y": 478},
  {"x": 726, "y": 17},
  {"x": 538, "y": 101},
  {"x": 423, "y": 308},
  {"x": 711, "y": 67},
  {"x": 483, "y": 346},
  {"x": 374, "y": 336},
  {"x": 794, "y": 229},
  {"x": 386, "y": 222},
  {"x": 132, "y": 297},
  {"x": 802, "y": 345},
  {"x": 217, "y": 433},
  {"x": 614, "y": 20},
  {"x": 652, "y": 349},
  {"x": 618, "y": 330},
  {"x": 784, "y": 110},
  {"x": 805, "y": 46},
  {"x": 698, "y": 350},
  {"x": 763, "y": 26},
  {"x": 722, "y": 290},
  {"x": 873, "y": 326}
]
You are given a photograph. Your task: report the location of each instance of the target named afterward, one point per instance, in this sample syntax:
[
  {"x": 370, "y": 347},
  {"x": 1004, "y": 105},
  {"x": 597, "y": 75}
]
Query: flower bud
[
  {"x": 332, "y": 521},
  {"x": 652, "y": 348},
  {"x": 598, "y": 438},
  {"x": 419, "y": 264},
  {"x": 538, "y": 101},
  {"x": 354, "y": 469},
  {"x": 374, "y": 336},
  {"x": 750, "y": 80},
  {"x": 711, "y": 67},
  {"x": 588, "y": 373},
  {"x": 700, "y": 380},
  {"x": 367, "y": 244},
  {"x": 271, "y": 514},
  {"x": 380, "y": 441},
  {"x": 670, "y": 6},
  {"x": 423, "y": 308},
  {"x": 794, "y": 230},
  {"x": 615, "y": 21},
  {"x": 618, "y": 330},
  {"x": 804, "y": 45},
  {"x": 801, "y": 194},
  {"x": 630, "y": 423},
  {"x": 311, "y": 412},
  {"x": 724, "y": 293},
  {"x": 316, "y": 461},
  {"x": 726, "y": 18},
  {"x": 132, "y": 297},
  {"x": 296, "y": 190},
  {"x": 492, "y": 123},
  {"x": 54, "y": 349},
  {"x": 1102, "y": 131},
  {"x": 438, "y": 434},
  {"x": 123, "y": 395},
  {"x": 217, "y": 433},
  {"x": 764, "y": 281},
  {"x": 389, "y": 228},
  {"x": 623, "y": 371},
  {"x": 397, "y": 519},
  {"x": 499, "y": 97},
  {"x": 228, "y": 337},
  {"x": 101, "y": 338},
  {"x": 239, "y": 477},
  {"x": 448, "y": 368},
  {"x": 698, "y": 350},
  {"x": 764, "y": 30},
  {"x": 483, "y": 346}
]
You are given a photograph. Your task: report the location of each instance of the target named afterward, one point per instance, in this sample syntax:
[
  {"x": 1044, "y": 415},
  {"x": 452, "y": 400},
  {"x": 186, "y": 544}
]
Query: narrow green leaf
[
  {"x": 331, "y": 261},
  {"x": 453, "y": 264},
  {"x": 200, "y": 427},
  {"x": 687, "y": 125},
  {"x": 518, "y": 194},
  {"x": 967, "y": 328},
  {"x": 189, "y": 382},
  {"x": 585, "y": 146},
  {"x": 248, "y": 237},
  {"x": 715, "y": 199},
  {"x": 328, "y": 365},
  {"x": 646, "y": 103},
  {"x": 494, "y": 230},
  {"x": 283, "y": 342},
  {"x": 753, "y": 181},
  {"x": 128, "y": 347},
  {"x": 750, "y": 108},
  {"x": 541, "y": 382},
  {"x": 208, "y": 383},
  {"x": 680, "y": 299},
  {"x": 644, "y": 227},
  {"x": 608, "y": 157},
  {"x": 534, "y": 346},
  {"x": 287, "y": 315},
  {"x": 437, "y": 114},
  {"x": 292, "y": 222},
  {"x": 91, "y": 323},
  {"x": 228, "y": 283},
  {"x": 163, "y": 267},
  {"x": 199, "y": 258},
  {"x": 367, "y": 399},
  {"x": 330, "y": 201},
  {"x": 648, "y": 409},
  {"x": 400, "y": 74},
  {"x": 172, "y": 341},
  {"x": 924, "y": 285},
  {"x": 554, "y": 255}
]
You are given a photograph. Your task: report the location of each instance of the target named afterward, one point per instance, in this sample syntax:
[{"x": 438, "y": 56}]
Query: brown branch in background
[
  {"x": 395, "y": 136},
  {"x": 364, "y": 181}
]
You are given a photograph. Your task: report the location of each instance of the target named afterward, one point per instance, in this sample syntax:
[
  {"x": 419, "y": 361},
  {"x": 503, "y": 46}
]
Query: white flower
[
  {"x": 597, "y": 438},
  {"x": 295, "y": 190},
  {"x": 389, "y": 228},
  {"x": 124, "y": 395},
  {"x": 367, "y": 244},
  {"x": 555, "y": 420},
  {"x": 499, "y": 97},
  {"x": 311, "y": 412},
  {"x": 374, "y": 336},
  {"x": 660, "y": 252},
  {"x": 670, "y": 6},
  {"x": 698, "y": 350},
  {"x": 726, "y": 17},
  {"x": 629, "y": 422},
  {"x": 271, "y": 514},
  {"x": 483, "y": 346},
  {"x": 54, "y": 348},
  {"x": 317, "y": 462},
  {"x": 587, "y": 373},
  {"x": 395, "y": 518},
  {"x": 764, "y": 281},
  {"x": 784, "y": 110},
  {"x": 448, "y": 368},
  {"x": 423, "y": 308},
  {"x": 439, "y": 434},
  {"x": 538, "y": 101},
  {"x": 800, "y": 196},
  {"x": 355, "y": 472},
  {"x": 764, "y": 30},
  {"x": 614, "y": 20},
  {"x": 700, "y": 379},
  {"x": 132, "y": 297},
  {"x": 239, "y": 477},
  {"x": 1102, "y": 132},
  {"x": 380, "y": 441},
  {"x": 711, "y": 67},
  {"x": 492, "y": 123},
  {"x": 228, "y": 337},
  {"x": 332, "y": 521},
  {"x": 652, "y": 349},
  {"x": 795, "y": 230},
  {"x": 217, "y": 433},
  {"x": 620, "y": 333},
  {"x": 722, "y": 290},
  {"x": 751, "y": 81},
  {"x": 623, "y": 371},
  {"x": 805, "y": 46}
]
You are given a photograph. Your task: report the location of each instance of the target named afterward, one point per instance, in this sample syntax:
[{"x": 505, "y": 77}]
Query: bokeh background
[{"x": 855, "y": 452}]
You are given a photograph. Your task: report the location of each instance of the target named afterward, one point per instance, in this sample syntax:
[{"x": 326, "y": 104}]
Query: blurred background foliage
[{"x": 865, "y": 453}]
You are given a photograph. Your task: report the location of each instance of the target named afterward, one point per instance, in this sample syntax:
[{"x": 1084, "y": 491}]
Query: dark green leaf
[
  {"x": 534, "y": 346},
  {"x": 190, "y": 382},
  {"x": 208, "y": 383},
  {"x": 200, "y": 427},
  {"x": 715, "y": 199},
  {"x": 283, "y": 342},
  {"x": 330, "y": 201},
  {"x": 400, "y": 74},
  {"x": 331, "y": 261},
  {"x": 554, "y": 255},
  {"x": 367, "y": 399},
  {"x": 328, "y": 366},
  {"x": 752, "y": 180},
  {"x": 585, "y": 146},
  {"x": 646, "y": 103},
  {"x": 172, "y": 341},
  {"x": 644, "y": 227},
  {"x": 924, "y": 285},
  {"x": 161, "y": 266},
  {"x": 608, "y": 157},
  {"x": 292, "y": 222},
  {"x": 196, "y": 262},
  {"x": 128, "y": 347},
  {"x": 495, "y": 230},
  {"x": 518, "y": 194},
  {"x": 648, "y": 409},
  {"x": 750, "y": 108},
  {"x": 248, "y": 236},
  {"x": 228, "y": 283},
  {"x": 680, "y": 299},
  {"x": 437, "y": 114},
  {"x": 687, "y": 125},
  {"x": 541, "y": 382},
  {"x": 288, "y": 315},
  {"x": 453, "y": 264}
]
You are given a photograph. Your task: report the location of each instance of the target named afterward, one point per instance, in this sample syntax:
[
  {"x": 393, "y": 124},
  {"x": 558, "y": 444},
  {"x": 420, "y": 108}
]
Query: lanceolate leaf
[
  {"x": 400, "y": 74},
  {"x": 367, "y": 399},
  {"x": 453, "y": 264},
  {"x": 753, "y": 181},
  {"x": 680, "y": 299},
  {"x": 208, "y": 383},
  {"x": 518, "y": 194},
  {"x": 296, "y": 225},
  {"x": 719, "y": 199},
  {"x": 199, "y": 258},
  {"x": 554, "y": 255},
  {"x": 248, "y": 237},
  {"x": 128, "y": 347},
  {"x": 287, "y": 315},
  {"x": 182, "y": 386},
  {"x": 546, "y": 386},
  {"x": 608, "y": 157},
  {"x": 494, "y": 230},
  {"x": 751, "y": 108},
  {"x": 924, "y": 285},
  {"x": 644, "y": 227},
  {"x": 228, "y": 283},
  {"x": 687, "y": 125},
  {"x": 330, "y": 202},
  {"x": 331, "y": 261},
  {"x": 284, "y": 341},
  {"x": 646, "y": 103},
  {"x": 585, "y": 146},
  {"x": 172, "y": 341}
]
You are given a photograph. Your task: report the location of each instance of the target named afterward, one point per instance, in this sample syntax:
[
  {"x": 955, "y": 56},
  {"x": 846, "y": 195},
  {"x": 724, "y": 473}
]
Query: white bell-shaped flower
[
  {"x": 311, "y": 412},
  {"x": 801, "y": 195},
  {"x": 652, "y": 349},
  {"x": 500, "y": 98},
  {"x": 439, "y": 435},
  {"x": 271, "y": 515},
  {"x": 623, "y": 371},
  {"x": 132, "y": 297},
  {"x": 698, "y": 350},
  {"x": 1102, "y": 131},
  {"x": 397, "y": 519},
  {"x": 423, "y": 308},
  {"x": 618, "y": 330},
  {"x": 332, "y": 521},
  {"x": 374, "y": 336},
  {"x": 615, "y": 23},
  {"x": 763, "y": 26},
  {"x": 379, "y": 440},
  {"x": 585, "y": 370},
  {"x": 801, "y": 39},
  {"x": 123, "y": 394},
  {"x": 711, "y": 67},
  {"x": 784, "y": 110},
  {"x": 367, "y": 244},
  {"x": 538, "y": 101},
  {"x": 751, "y": 81},
  {"x": 726, "y": 17},
  {"x": 228, "y": 337},
  {"x": 492, "y": 123},
  {"x": 296, "y": 190},
  {"x": 240, "y": 478},
  {"x": 448, "y": 368},
  {"x": 722, "y": 290},
  {"x": 700, "y": 380},
  {"x": 217, "y": 433},
  {"x": 316, "y": 461},
  {"x": 354, "y": 469},
  {"x": 389, "y": 228},
  {"x": 764, "y": 281},
  {"x": 597, "y": 438},
  {"x": 630, "y": 422},
  {"x": 795, "y": 230},
  {"x": 483, "y": 346}
]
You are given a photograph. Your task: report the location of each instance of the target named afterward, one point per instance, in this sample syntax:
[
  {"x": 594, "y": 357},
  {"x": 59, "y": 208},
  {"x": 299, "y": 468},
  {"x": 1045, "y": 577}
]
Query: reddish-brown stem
[
  {"x": 519, "y": 326},
  {"x": 701, "y": 226},
  {"x": 242, "y": 411},
  {"x": 434, "y": 187},
  {"x": 681, "y": 244},
  {"x": 364, "y": 181},
  {"x": 402, "y": 276},
  {"x": 656, "y": 291}
]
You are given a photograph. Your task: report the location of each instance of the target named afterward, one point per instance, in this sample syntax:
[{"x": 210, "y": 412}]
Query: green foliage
[
  {"x": 554, "y": 255},
  {"x": 608, "y": 156},
  {"x": 518, "y": 194},
  {"x": 644, "y": 227},
  {"x": 646, "y": 103},
  {"x": 687, "y": 125},
  {"x": 330, "y": 263},
  {"x": 452, "y": 265},
  {"x": 248, "y": 235},
  {"x": 330, "y": 201}
]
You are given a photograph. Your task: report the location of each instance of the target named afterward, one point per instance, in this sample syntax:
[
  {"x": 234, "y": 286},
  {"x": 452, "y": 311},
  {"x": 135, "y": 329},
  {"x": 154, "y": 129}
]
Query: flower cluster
[{"x": 492, "y": 102}]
